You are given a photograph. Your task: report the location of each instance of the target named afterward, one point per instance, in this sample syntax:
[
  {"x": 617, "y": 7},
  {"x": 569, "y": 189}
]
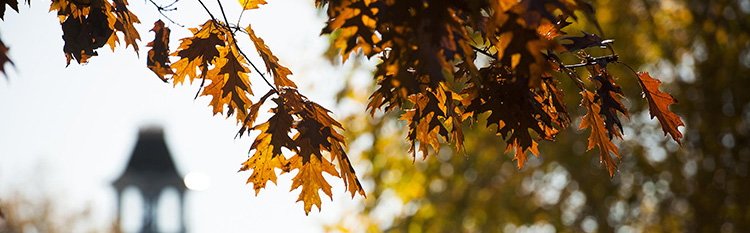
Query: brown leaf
[
  {"x": 582, "y": 42},
  {"x": 610, "y": 95},
  {"x": 310, "y": 177},
  {"x": 4, "y": 57},
  {"x": 552, "y": 30},
  {"x": 658, "y": 106},
  {"x": 197, "y": 52},
  {"x": 158, "y": 56},
  {"x": 12, "y": 3},
  {"x": 229, "y": 84},
  {"x": 124, "y": 24},
  {"x": 598, "y": 135},
  {"x": 274, "y": 134},
  {"x": 515, "y": 108},
  {"x": 85, "y": 27},
  {"x": 273, "y": 66}
]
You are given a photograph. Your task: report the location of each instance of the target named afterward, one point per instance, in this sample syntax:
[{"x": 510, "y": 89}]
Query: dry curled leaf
[{"x": 158, "y": 56}]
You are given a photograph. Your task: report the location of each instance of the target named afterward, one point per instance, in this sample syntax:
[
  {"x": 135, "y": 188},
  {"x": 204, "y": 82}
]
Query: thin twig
[
  {"x": 483, "y": 52},
  {"x": 595, "y": 61},
  {"x": 170, "y": 5},
  {"x": 234, "y": 41},
  {"x": 207, "y": 11},
  {"x": 161, "y": 10},
  {"x": 226, "y": 21}
]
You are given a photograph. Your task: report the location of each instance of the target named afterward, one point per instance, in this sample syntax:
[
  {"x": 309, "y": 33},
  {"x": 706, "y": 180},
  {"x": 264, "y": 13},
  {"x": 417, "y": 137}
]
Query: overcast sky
[{"x": 66, "y": 133}]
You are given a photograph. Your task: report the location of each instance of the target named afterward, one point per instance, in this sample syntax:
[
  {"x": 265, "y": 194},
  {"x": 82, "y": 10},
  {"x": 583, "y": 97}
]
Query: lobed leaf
[
  {"x": 658, "y": 106},
  {"x": 610, "y": 95},
  {"x": 251, "y": 4},
  {"x": 279, "y": 72},
  {"x": 598, "y": 136},
  {"x": 197, "y": 52},
  {"x": 158, "y": 56}
]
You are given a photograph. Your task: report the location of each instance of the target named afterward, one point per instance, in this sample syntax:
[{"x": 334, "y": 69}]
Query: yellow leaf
[
  {"x": 251, "y": 4},
  {"x": 310, "y": 177},
  {"x": 278, "y": 71}
]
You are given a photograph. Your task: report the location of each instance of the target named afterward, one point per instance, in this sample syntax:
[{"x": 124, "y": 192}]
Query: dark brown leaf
[
  {"x": 158, "y": 56},
  {"x": 582, "y": 42}
]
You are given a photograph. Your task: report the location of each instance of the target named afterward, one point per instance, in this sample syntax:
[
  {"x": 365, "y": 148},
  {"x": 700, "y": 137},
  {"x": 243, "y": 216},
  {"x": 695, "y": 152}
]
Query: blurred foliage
[
  {"x": 33, "y": 213},
  {"x": 699, "y": 49}
]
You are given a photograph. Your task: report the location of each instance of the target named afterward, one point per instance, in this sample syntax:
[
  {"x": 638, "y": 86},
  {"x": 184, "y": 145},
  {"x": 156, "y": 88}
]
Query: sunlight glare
[{"x": 197, "y": 181}]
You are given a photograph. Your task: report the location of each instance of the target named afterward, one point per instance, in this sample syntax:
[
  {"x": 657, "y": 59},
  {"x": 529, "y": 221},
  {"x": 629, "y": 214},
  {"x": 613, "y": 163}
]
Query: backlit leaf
[
  {"x": 582, "y": 42},
  {"x": 279, "y": 72},
  {"x": 610, "y": 95},
  {"x": 124, "y": 24},
  {"x": 598, "y": 136},
  {"x": 658, "y": 106},
  {"x": 310, "y": 178},
  {"x": 251, "y": 4},
  {"x": 158, "y": 56},
  {"x": 197, "y": 52}
]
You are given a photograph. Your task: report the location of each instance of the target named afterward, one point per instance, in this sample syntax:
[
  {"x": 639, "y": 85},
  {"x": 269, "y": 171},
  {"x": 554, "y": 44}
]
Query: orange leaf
[
  {"x": 310, "y": 177},
  {"x": 658, "y": 106},
  {"x": 279, "y": 72},
  {"x": 124, "y": 24},
  {"x": 273, "y": 135},
  {"x": 197, "y": 52},
  {"x": 158, "y": 56},
  {"x": 598, "y": 135},
  {"x": 229, "y": 84}
]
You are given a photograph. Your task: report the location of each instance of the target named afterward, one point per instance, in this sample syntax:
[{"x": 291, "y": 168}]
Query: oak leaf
[
  {"x": 197, "y": 52},
  {"x": 158, "y": 56},
  {"x": 310, "y": 177},
  {"x": 251, "y": 4},
  {"x": 85, "y": 27},
  {"x": 229, "y": 83},
  {"x": 278, "y": 71},
  {"x": 598, "y": 136},
  {"x": 658, "y": 106},
  {"x": 124, "y": 24},
  {"x": 610, "y": 95},
  {"x": 582, "y": 42},
  {"x": 12, "y": 3},
  {"x": 274, "y": 134}
]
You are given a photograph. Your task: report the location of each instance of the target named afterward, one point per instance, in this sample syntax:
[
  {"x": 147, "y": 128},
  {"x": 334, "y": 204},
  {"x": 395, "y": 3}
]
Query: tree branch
[{"x": 161, "y": 10}]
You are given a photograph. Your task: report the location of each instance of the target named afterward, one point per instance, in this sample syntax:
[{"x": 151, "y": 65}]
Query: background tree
[{"x": 699, "y": 48}]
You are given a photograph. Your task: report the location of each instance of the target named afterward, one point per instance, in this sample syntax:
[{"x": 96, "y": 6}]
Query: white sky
[{"x": 66, "y": 133}]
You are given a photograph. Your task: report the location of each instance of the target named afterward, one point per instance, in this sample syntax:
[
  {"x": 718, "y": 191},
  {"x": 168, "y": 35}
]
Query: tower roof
[{"x": 150, "y": 166}]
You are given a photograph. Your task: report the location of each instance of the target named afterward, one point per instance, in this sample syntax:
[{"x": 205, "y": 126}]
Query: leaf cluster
[
  {"x": 442, "y": 64},
  {"x": 430, "y": 51}
]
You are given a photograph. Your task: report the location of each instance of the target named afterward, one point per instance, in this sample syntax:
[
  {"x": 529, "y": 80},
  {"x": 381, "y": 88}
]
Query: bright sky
[{"x": 66, "y": 133}]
